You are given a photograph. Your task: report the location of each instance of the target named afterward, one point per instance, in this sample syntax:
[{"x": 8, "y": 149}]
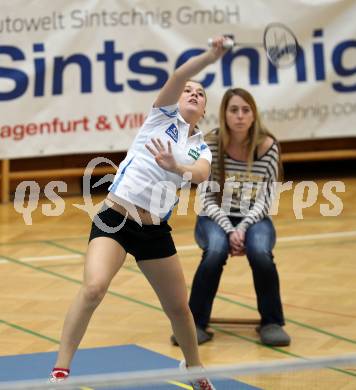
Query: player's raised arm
[{"x": 174, "y": 86}]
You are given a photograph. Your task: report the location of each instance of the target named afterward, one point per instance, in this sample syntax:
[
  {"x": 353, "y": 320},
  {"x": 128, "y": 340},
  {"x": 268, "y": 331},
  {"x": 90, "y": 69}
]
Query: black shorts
[{"x": 143, "y": 242}]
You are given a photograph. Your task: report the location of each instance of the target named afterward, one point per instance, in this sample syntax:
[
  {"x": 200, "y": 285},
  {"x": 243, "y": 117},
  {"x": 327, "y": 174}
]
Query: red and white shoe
[
  {"x": 59, "y": 375},
  {"x": 198, "y": 384}
]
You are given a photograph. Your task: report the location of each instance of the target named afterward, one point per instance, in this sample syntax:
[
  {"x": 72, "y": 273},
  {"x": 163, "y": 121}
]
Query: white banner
[{"x": 79, "y": 76}]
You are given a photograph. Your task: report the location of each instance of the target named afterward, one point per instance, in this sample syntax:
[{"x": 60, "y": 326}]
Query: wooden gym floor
[{"x": 41, "y": 270}]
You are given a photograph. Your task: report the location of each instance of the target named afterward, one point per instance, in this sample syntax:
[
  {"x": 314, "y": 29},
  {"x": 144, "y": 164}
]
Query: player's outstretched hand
[
  {"x": 219, "y": 46},
  {"x": 163, "y": 156}
]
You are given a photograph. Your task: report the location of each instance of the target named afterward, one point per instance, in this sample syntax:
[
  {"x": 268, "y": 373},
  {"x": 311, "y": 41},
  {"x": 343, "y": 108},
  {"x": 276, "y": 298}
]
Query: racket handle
[{"x": 228, "y": 43}]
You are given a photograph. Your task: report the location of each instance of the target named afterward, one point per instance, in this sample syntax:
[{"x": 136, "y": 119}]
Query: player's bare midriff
[{"x": 145, "y": 216}]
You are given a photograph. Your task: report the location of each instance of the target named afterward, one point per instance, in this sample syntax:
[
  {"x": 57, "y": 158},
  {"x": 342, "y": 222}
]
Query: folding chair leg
[{"x": 234, "y": 321}]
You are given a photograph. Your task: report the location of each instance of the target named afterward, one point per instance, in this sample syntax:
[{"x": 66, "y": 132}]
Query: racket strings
[{"x": 281, "y": 45}]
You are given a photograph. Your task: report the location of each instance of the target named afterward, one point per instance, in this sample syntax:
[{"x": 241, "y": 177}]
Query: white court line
[
  {"x": 307, "y": 237},
  {"x": 321, "y": 236},
  {"x": 43, "y": 258}
]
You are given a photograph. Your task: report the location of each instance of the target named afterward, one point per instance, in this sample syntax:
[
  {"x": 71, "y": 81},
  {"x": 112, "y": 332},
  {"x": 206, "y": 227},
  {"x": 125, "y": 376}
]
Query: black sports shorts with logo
[{"x": 146, "y": 242}]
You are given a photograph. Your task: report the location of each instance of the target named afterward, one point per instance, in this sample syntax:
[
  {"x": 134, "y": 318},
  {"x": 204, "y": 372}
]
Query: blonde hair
[{"x": 257, "y": 134}]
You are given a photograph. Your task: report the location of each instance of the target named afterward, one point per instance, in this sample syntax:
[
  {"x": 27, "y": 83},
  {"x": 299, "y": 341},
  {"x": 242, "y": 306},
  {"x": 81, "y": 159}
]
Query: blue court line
[{"x": 103, "y": 360}]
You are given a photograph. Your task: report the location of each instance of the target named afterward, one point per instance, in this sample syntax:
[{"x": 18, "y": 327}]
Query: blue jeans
[{"x": 260, "y": 239}]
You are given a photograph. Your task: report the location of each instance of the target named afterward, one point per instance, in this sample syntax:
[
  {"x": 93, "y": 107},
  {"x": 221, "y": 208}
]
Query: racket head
[{"x": 280, "y": 44}]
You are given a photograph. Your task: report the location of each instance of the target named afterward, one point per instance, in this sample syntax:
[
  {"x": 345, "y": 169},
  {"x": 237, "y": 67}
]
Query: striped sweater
[{"x": 248, "y": 196}]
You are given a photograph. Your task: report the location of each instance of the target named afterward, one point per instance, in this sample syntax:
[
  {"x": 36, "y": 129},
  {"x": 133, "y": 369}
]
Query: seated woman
[{"x": 245, "y": 163}]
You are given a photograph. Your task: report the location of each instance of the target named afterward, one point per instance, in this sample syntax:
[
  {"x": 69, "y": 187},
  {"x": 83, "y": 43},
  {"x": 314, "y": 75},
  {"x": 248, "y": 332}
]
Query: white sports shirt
[{"x": 140, "y": 180}]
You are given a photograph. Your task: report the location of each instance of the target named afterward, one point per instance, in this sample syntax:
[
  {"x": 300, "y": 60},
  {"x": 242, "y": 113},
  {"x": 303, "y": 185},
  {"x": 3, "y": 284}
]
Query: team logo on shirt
[
  {"x": 203, "y": 146},
  {"x": 172, "y": 131},
  {"x": 194, "y": 153}
]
